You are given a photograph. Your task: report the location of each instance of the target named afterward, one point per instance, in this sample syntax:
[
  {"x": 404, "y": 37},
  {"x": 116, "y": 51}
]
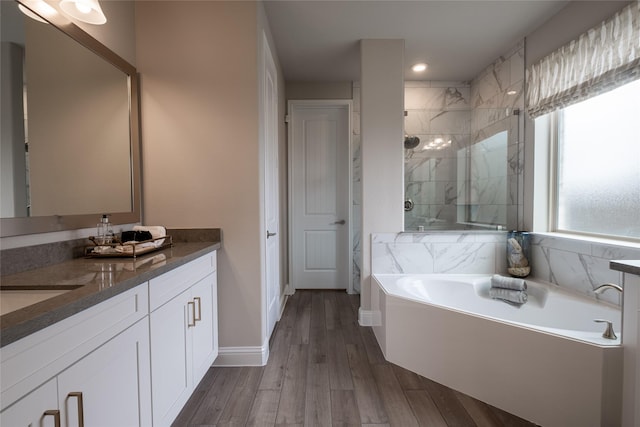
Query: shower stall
[{"x": 463, "y": 150}]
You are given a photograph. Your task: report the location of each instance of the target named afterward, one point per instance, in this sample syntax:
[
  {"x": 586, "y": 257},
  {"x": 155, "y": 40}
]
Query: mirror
[{"x": 70, "y": 142}]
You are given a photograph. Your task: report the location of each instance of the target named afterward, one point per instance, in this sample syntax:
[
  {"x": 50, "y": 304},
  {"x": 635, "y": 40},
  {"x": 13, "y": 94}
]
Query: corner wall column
[{"x": 382, "y": 129}]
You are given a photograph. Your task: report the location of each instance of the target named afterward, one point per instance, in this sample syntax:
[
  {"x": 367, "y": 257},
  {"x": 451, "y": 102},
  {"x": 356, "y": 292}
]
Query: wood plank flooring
[{"x": 326, "y": 370}]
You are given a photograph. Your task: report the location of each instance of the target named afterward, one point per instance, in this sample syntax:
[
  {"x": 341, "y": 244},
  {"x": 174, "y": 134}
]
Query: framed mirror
[{"x": 70, "y": 127}]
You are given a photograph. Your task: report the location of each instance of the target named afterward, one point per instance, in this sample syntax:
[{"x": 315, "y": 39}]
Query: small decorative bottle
[
  {"x": 518, "y": 250},
  {"x": 105, "y": 233}
]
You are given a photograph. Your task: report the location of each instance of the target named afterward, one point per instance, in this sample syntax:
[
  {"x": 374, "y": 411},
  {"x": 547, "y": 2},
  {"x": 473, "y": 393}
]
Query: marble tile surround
[
  {"x": 572, "y": 264},
  {"x": 439, "y": 252},
  {"x": 579, "y": 265}
]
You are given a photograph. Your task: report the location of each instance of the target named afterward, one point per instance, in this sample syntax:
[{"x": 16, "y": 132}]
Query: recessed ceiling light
[
  {"x": 511, "y": 92},
  {"x": 418, "y": 68}
]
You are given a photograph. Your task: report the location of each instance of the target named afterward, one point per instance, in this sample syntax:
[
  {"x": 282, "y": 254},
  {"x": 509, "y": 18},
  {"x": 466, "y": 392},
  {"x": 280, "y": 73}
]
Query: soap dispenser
[{"x": 105, "y": 233}]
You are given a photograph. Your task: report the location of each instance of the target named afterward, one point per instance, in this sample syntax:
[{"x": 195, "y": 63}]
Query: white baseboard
[
  {"x": 369, "y": 317},
  {"x": 283, "y": 303},
  {"x": 242, "y": 356}
]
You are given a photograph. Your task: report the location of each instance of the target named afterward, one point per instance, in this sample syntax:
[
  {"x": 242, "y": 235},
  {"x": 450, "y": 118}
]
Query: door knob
[
  {"x": 341, "y": 222},
  {"x": 270, "y": 234}
]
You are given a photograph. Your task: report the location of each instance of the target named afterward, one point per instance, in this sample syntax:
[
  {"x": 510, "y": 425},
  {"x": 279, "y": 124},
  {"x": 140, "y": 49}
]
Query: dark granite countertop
[
  {"x": 92, "y": 281},
  {"x": 631, "y": 267}
]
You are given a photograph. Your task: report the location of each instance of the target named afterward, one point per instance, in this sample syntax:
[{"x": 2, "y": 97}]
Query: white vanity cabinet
[
  {"x": 131, "y": 360},
  {"x": 111, "y": 386},
  {"x": 94, "y": 363},
  {"x": 183, "y": 330},
  {"x": 38, "y": 408},
  {"x": 631, "y": 348}
]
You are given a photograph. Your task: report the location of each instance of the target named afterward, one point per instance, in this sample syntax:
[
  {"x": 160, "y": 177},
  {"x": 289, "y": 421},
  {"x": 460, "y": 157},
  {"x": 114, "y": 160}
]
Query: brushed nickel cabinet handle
[
  {"x": 341, "y": 222},
  {"x": 55, "y": 414},
  {"x": 269, "y": 234},
  {"x": 78, "y": 395},
  {"x": 199, "y": 316},
  {"x": 193, "y": 310}
]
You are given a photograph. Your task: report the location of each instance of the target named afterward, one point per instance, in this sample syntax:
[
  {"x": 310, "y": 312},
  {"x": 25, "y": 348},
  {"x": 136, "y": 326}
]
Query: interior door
[
  {"x": 319, "y": 179},
  {"x": 271, "y": 182}
]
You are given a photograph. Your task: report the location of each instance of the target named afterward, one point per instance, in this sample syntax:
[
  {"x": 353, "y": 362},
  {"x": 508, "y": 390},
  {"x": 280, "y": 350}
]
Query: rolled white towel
[
  {"x": 157, "y": 231},
  {"x": 510, "y": 295},
  {"x": 502, "y": 282}
]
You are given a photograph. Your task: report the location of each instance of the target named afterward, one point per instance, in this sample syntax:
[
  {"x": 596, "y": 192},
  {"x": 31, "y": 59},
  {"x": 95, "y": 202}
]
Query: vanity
[
  {"x": 88, "y": 341},
  {"x": 126, "y": 347}
]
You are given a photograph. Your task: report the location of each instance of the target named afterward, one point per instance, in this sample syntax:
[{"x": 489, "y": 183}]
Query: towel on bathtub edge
[
  {"x": 510, "y": 295},
  {"x": 513, "y": 283}
]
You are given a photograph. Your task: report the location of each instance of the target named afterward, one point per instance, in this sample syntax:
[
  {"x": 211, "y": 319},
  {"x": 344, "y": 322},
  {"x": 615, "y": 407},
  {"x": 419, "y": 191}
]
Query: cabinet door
[
  {"x": 171, "y": 371},
  {"x": 205, "y": 340},
  {"x": 111, "y": 385},
  {"x": 30, "y": 410}
]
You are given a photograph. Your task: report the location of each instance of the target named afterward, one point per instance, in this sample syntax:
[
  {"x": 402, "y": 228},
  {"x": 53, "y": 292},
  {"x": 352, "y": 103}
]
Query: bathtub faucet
[
  {"x": 600, "y": 289},
  {"x": 608, "y": 333}
]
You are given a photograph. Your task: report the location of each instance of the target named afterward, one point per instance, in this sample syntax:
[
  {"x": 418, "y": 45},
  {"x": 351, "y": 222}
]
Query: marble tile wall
[
  {"x": 357, "y": 187},
  {"x": 482, "y": 252},
  {"x": 439, "y": 113},
  {"x": 497, "y": 94},
  {"x": 579, "y": 265}
]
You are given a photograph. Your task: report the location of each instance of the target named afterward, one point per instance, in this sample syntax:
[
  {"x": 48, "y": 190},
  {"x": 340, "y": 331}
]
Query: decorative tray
[{"x": 128, "y": 249}]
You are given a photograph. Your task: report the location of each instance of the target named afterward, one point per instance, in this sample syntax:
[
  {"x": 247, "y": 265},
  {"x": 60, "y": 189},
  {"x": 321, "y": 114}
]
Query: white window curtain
[{"x": 604, "y": 58}]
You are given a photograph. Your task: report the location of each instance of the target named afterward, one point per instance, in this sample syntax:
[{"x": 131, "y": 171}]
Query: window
[{"x": 598, "y": 165}]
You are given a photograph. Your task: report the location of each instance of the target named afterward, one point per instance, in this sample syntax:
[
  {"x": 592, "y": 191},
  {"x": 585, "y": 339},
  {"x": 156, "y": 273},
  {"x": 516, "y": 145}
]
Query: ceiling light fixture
[
  {"x": 88, "y": 11},
  {"x": 511, "y": 92},
  {"x": 419, "y": 68},
  {"x": 41, "y": 9}
]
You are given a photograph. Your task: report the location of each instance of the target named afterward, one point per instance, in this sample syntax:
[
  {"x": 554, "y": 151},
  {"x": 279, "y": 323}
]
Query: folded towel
[
  {"x": 509, "y": 295},
  {"x": 128, "y": 247},
  {"x": 157, "y": 231},
  {"x": 502, "y": 282}
]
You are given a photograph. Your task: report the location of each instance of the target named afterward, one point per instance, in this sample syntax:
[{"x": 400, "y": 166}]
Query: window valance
[{"x": 605, "y": 57}]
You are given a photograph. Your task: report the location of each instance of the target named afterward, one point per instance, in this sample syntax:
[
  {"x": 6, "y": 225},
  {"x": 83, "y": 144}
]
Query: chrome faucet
[
  {"x": 608, "y": 333},
  {"x": 600, "y": 289}
]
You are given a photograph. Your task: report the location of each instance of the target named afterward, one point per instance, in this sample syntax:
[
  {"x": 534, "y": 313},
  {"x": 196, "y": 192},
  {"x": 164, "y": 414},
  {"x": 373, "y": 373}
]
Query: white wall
[
  {"x": 574, "y": 19},
  {"x": 382, "y": 123},
  {"x": 200, "y": 133}
]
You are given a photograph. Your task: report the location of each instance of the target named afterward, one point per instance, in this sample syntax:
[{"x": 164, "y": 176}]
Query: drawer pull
[
  {"x": 193, "y": 310},
  {"x": 199, "y": 316},
  {"x": 78, "y": 395},
  {"x": 55, "y": 414}
]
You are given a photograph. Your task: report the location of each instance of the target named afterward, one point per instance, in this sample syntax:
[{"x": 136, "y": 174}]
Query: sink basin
[{"x": 13, "y": 299}]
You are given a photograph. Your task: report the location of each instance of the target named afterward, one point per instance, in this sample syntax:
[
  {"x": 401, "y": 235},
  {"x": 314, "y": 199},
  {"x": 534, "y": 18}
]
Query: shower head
[{"x": 411, "y": 142}]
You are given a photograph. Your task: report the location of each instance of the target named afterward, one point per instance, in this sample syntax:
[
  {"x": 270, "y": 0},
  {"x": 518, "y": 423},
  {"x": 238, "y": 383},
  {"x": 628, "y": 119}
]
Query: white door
[
  {"x": 320, "y": 187},
  {"x": 271, "y": 182}
]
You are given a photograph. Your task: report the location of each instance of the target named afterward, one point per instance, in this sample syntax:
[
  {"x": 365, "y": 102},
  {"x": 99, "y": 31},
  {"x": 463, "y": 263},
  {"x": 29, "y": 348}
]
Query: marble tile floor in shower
[{"x": 326, "y": 370}]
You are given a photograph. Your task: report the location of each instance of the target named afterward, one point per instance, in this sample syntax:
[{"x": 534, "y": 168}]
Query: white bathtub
[{"x": 545, "y": 361}]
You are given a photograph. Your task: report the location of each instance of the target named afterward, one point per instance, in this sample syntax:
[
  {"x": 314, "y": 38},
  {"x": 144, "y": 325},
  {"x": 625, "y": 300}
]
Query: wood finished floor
[{"x": 326, "y": 370}]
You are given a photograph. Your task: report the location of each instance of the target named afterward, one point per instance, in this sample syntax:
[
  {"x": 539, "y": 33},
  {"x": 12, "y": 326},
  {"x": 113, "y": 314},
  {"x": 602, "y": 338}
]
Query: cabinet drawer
[
  {"x": 31, "y": 361},
  {"x": 176, "y": 281}
]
